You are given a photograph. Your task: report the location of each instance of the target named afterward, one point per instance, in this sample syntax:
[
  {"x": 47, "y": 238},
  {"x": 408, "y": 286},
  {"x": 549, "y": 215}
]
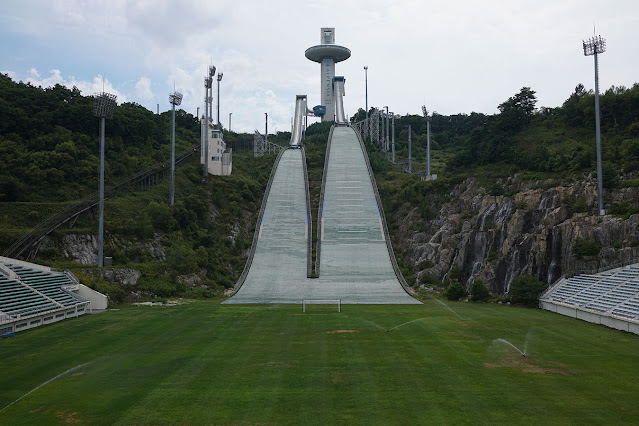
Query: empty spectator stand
[
  {"x": 610, "y": 298},
  {"x": 32, "y": 296}
]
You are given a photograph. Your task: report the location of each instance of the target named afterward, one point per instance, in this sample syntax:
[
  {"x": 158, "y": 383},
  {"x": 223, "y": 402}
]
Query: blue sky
[{"x": 459, "y": 56}]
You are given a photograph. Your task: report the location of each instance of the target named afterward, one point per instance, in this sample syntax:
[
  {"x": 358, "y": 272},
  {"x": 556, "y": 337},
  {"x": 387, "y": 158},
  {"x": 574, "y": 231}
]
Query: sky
[{"x": 452, "y": 56}]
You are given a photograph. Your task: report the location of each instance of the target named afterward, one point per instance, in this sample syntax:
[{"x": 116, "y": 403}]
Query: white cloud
[
  {"x": 88, "y": 88},
  {"x": 143, "y": 90},
  {"x": 454, "y": 56}
]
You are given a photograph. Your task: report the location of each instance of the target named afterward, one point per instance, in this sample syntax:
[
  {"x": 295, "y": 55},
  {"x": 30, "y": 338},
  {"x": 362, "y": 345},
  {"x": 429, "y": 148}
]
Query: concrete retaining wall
[{"x": 593, "y": 317}]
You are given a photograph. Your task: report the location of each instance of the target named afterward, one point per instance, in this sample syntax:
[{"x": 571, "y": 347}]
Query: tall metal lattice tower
[
  {"x": 593, "y": 47},
  {"x": 259, "y": 147},
  {"x": 375, "y": 126}
]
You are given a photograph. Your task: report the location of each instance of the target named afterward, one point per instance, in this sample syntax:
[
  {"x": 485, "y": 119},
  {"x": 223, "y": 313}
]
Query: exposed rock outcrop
[
  {"x": 122, "y": 276},
  {"x": 497, "y": 238},
  {"x": 83, "y": 248}
]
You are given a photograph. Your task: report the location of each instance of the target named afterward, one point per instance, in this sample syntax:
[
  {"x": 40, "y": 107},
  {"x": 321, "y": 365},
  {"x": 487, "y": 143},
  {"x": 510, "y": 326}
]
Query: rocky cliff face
[
  {"x": 497, "y": 238},
  {"x": 83, "y": 248}
]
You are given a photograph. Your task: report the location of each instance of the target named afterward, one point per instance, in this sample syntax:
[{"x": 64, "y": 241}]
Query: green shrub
[
  {"x": 525, "y": 290},
  {"x": 454, "y": 274},
  {"x": 424, "y": 264},
  {"x": 588, "y": 247},
  {"x": 479, "y": 292},
  {"x": 429, "y": 281},
  {"x": 575, "y": 204},
  {"x": 496, "y": 189},
  {"x": 455, "y": 291},
  {"x": 182, "y": 259}
]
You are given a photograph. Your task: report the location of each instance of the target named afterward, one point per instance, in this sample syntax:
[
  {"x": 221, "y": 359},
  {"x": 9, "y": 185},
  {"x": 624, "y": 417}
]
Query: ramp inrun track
[{"x": 355, "y": 263}]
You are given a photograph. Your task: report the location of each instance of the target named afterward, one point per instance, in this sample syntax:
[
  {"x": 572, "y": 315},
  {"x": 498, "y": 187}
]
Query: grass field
[{"x": 208, "y": 363}]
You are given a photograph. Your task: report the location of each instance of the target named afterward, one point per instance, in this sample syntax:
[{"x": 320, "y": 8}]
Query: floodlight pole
[
  {"x": 208, "y": 85},
  {"x": 172, "y": 189},
  {"x": 393, "y": 133},
  {"x": 366, "y": 131},
  {"x": 383, "y": 139},
  {"x": 427, "y": 117},
  {"x": 175, "y": 98},
  {"x": 387, "y": 142},
  {"x": 104, "y": 108},
  {"x": 593, "y": 47},
  {"x": 101, "y": 203},
  {"x": 266, "y": 130}
]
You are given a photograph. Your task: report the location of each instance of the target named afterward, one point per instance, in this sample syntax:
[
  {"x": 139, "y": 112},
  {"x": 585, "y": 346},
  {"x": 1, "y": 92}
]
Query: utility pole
[
  {"x": 230, "y": 114},
  {"x": 593, "y": 47},
  {"x": 266, "y": 130}
]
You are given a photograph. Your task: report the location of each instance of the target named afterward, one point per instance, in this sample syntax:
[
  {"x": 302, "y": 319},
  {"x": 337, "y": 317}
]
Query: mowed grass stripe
[{"x": 207, "y": 363}]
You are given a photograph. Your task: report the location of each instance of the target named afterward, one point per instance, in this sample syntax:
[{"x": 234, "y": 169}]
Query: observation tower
[{"x": 327, "y": 54}]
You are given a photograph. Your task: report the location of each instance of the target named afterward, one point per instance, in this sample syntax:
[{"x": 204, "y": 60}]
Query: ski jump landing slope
[{"x": 355, "y": 264}]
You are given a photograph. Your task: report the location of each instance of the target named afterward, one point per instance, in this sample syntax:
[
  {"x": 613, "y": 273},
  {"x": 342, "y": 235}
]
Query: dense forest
[
  {"x": 49, "y": 141},
  {"x": 524, "y": 138}
]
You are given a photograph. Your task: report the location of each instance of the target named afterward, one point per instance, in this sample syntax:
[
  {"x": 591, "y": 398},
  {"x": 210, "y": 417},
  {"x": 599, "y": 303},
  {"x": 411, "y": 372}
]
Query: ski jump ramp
[{"x": 355, "y": 259}]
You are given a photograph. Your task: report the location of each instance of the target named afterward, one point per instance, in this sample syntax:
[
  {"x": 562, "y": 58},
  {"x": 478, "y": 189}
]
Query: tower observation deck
[{"x": 327, "y": 54}]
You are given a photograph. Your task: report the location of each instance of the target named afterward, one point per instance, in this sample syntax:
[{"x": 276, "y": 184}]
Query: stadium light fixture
[
  {"x": 593, "y": 47},
  {"x": 175, "y": 98},
  {"x": 104, "y": 107}
]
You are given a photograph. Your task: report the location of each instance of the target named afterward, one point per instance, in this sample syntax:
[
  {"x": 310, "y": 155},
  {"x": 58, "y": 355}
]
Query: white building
[{"x": 220, "y": 158}]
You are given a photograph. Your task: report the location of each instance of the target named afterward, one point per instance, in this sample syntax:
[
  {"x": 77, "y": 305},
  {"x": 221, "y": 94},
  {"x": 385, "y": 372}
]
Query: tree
[
  {"x": 518, "y": 110},
  {"x": 525, "y": 290},
  {"x": 479, "y": 292},
  {"x": 455, "y": 291}
]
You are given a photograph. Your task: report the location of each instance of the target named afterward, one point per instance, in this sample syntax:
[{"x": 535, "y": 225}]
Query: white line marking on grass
[
  {"x": 447, "y": 307},
  {"x": 46, "y": 383},
  {"x": 407, "y": 322},
  {"x": 371, "y": 322}
]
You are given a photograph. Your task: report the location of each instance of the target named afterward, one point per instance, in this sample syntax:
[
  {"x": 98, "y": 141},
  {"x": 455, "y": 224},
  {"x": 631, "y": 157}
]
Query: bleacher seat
[
  {"x": 35, "y": 291},
  {"x": 612, "y": 292}
]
